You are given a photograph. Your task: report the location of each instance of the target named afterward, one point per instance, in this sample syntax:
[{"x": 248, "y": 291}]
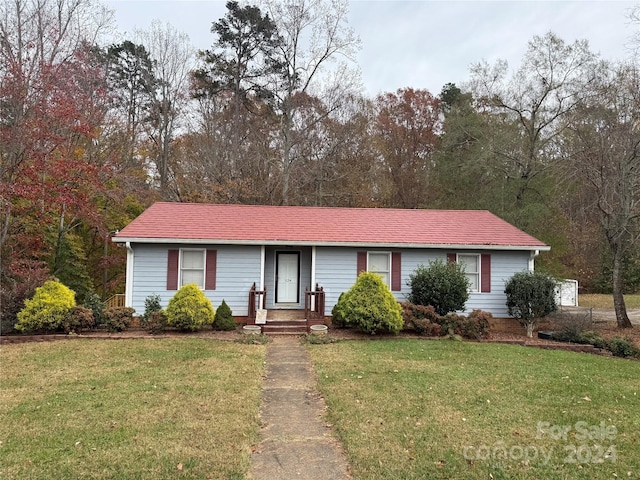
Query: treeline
[{"x": 93, "y": 132}]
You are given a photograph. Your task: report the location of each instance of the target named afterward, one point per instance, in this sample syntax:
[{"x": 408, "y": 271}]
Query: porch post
[
  {"x": 262, "y": 262},
  {"x": 313, "y": 277}
]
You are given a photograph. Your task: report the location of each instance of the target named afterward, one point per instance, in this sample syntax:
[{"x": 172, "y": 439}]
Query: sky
[{"x": 424, "y": 43}]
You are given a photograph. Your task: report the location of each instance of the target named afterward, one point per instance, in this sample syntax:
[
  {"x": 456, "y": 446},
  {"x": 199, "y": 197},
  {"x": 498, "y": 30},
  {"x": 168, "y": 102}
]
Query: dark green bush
[
  {"x": 530, "y": 296},
  {"x": 623, "y": 347},
  {"x": 118, "y": 319},
  {"x": 223, "y": 319},
  {"x": 78, "y": 319},
  {"x": 154, "y": 318},
  {"x": 47, "y": 309},
  {"x": 442, "y": 285},
  {"x": 370, "y": 306},
  {"x": 93, "y": 302},
  {"x": 189, "y": 309}
]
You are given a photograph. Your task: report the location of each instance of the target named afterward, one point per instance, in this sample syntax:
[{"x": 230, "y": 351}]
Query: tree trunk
[
  {"x": 530, "y": 326},
  {"x": 618, "y": 297}
]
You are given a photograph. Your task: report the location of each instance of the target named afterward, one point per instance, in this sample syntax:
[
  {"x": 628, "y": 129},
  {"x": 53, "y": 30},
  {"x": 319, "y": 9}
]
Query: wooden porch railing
[
  {"x": 314, "y": 305},
  {"x": 257, "y": 300},
  {"x": 115, "y": 301}
]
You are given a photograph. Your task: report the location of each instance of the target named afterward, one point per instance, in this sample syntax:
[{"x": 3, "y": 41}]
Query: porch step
[{"x": 284, "y": 327}]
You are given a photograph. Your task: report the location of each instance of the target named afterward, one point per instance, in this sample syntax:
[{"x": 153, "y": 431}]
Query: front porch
[{"x": 286, "y": 320}]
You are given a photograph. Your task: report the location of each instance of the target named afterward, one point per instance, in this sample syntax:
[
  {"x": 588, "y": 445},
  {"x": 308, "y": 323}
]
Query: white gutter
[{"x": 215, "y": 241}]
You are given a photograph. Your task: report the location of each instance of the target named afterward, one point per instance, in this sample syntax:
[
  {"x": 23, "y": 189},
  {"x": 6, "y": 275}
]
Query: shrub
[
  {"x": 475, "y": 326},
  {"x": 78, "y": 319},
  {"x": 154, "y": 322},
  {"x": 587, "y": 337},
  {"x": 442, "y": 285},
  {"x": 223, "y": 319},
  {"x": 370, "y": 306},
  {"x": 623, "y": 347},
  {"x": 421, "y": 319},
  {"x": 94, "y": 303},
  {"x": 478, "y": 324},
  {"x": 338, "y": 317},
  {"x": 118, "y": 319},
  {"x": 530, "y": 296},
  {"x": 189, "y": 309},
  {"x": 47, "y": 309},
  {"x": 154, "y": 318}
]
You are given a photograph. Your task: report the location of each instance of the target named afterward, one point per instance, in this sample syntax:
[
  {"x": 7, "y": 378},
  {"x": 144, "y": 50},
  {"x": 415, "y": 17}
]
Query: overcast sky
[{"x": 424, "y": 43}]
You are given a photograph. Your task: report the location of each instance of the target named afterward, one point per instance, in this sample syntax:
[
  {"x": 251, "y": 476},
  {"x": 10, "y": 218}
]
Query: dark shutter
[
  {"x": 485, "y": 272},
  {"x": 172, "y": 269},
  {"x": 210, "y": 273},
  {"x": 451, "y": 257},
  {"x": 396, "y": 271},
  {"x": 362, "y": 263}
]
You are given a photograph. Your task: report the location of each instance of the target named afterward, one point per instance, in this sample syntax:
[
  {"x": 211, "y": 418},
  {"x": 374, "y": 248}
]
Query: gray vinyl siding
[
  {"x": 238, "y": 267},
  {"x": 336, "y": 272}
]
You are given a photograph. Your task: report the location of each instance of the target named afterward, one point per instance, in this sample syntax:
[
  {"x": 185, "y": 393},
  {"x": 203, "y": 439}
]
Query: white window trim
[
  {"x": 388, "y": 263},
  {"x": 204, "y": 266},
  {"x": 478, "y": 273}
]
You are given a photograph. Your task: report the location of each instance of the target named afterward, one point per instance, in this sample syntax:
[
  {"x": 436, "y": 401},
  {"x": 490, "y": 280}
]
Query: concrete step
[{"x": 291, "y": 327}]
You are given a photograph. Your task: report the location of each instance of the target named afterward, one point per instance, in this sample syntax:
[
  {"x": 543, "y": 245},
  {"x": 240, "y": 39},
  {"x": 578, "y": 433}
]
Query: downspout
[
  {"x": 128, "y": 291},
  {"x": 532, "y": 255}
]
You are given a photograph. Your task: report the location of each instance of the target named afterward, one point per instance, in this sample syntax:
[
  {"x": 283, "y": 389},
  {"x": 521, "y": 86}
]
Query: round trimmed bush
[
  {"x": 189, "y": 309},
  {"x": 442, "y": 285},
  {"x": 223, "y": 319},
  {"x": 370, "y": 306},
  {"x": 47, "y": 310}
]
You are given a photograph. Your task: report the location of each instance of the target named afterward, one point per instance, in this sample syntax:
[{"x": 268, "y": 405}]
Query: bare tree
[
  {"x": 603, "y": 142},
  {"x": 172, "y": 56},
  {"x": 531, "y": 104},
  {"x": 314, "y": 54}
]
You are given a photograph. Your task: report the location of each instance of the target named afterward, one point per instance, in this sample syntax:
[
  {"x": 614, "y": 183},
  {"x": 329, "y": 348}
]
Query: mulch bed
[{"x": 605, "y": 329}]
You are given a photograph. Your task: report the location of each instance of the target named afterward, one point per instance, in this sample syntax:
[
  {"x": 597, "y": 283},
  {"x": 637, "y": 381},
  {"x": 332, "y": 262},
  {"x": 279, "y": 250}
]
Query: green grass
[
  {"x": 130, "y": 409},
  {"x": 412, "y": 409},
  {"x": 596, "y": 300}
]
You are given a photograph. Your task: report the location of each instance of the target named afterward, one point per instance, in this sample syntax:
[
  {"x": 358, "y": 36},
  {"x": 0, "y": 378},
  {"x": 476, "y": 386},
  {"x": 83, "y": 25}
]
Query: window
[
  {"x": 380, "y": 263},
  {"x": 471, "y": 264},
  {"x": 192, "y": 267}
]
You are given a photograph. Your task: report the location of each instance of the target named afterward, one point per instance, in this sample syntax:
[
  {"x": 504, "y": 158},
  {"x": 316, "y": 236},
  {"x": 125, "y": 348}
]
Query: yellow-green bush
[
  {"x": 47, "y": 309},
  {"x": 189, "y": 309},
  {"x": 370, "y": 306}
]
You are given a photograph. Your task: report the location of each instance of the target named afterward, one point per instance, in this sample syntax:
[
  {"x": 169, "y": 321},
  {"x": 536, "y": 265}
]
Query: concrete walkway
[{"x": 295, "y": 441}]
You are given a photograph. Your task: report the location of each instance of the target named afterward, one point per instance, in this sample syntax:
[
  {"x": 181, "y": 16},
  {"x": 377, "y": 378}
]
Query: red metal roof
[{"x": 259, "y": 224}]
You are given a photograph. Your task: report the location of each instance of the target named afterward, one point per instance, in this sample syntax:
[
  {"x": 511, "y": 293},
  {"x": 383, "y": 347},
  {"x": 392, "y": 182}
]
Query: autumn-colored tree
[{"x": 406, "y": 135}]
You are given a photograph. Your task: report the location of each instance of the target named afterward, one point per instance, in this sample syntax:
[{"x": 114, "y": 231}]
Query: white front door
[{"x": 287, "y": 265}]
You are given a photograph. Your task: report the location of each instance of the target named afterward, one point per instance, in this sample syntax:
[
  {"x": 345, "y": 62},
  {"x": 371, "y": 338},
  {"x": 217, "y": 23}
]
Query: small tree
[
  {"x": 189, "y": 309},
  {"x": 442, "y": 285},
  {"x": 223, "y": 319},
  {"x": 47, "y": 309},
  {"x": 530, "y": 296},
  {"x": 370, "y": 306}
]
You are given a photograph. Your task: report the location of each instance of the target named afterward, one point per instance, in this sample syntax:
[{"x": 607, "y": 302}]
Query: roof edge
[{"x": 205, "y": 241}]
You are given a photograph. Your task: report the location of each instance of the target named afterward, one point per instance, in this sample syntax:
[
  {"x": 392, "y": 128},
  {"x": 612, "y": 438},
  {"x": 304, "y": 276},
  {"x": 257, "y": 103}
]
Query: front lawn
[
  {"x": 419, "y": 409},
  {"x": 128, "y": 409}
]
